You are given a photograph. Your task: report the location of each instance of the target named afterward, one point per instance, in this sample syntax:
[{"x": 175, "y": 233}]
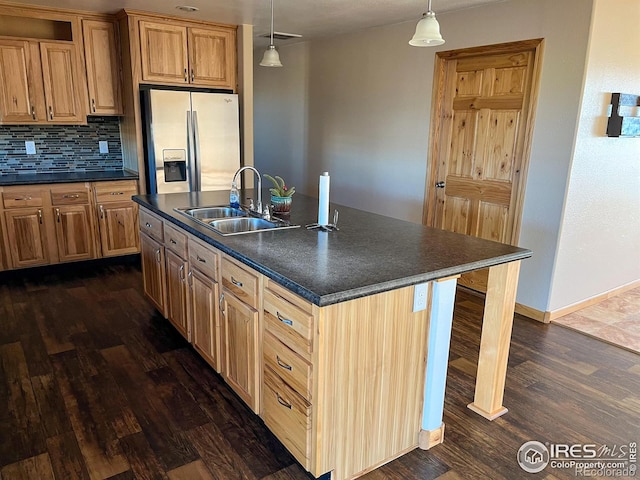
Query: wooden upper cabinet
[
  {"x": 61, "y": 87},
  {"x": 212, "y": 57},
  {"x": 21, "y": 91},
  {"x": 164, "y": 53},
  {"x": 188, "y": 55},
  {"x": 103, "y": 67}
]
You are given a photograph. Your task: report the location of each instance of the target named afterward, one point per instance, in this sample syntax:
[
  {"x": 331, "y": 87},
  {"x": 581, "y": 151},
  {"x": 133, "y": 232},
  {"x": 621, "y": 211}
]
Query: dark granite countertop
[
  {"x": 368, "y": 255},
  {"x": 64, "y": 177}
]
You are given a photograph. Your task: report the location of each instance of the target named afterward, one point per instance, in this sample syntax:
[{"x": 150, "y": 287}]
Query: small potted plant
[{"x": 280, "y": 195}]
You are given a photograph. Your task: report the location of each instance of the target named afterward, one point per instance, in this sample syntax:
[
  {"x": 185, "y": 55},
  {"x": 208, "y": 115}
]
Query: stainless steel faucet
[{"x": 258, "y": 207}]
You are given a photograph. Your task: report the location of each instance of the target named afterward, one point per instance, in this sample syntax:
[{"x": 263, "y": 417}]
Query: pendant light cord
[{"x": 272, "y": 21}]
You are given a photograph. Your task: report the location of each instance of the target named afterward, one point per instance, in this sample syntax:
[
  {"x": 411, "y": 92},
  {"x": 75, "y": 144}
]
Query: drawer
[
  {"x": 242, "y": 283},
  {"x": 175, "y": 240},
  {"x": 288, "y": 416},
  {"x": 293, "y": 369},
  {"x": 288, "y": 323},
  {"x": 70, "y": 197},
  {"x": 204, "y": 258},
  {"x": 115, "y": 191},
  {"x": 151, "y": 225},
  {"x": 22, "y": 198}
]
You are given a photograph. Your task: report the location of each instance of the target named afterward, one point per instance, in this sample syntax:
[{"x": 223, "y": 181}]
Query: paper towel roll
[{"x": 323, "y": 199}]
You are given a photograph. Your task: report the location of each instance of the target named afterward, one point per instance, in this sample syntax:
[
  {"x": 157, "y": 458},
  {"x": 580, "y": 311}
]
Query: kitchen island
[{"x": 339, "y": 340}]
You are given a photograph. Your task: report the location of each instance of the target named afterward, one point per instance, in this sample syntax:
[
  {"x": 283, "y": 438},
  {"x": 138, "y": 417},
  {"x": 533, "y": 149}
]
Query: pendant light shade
[
  {"x": 271, "y": 57},
  {"x": 427, "y": 31}
]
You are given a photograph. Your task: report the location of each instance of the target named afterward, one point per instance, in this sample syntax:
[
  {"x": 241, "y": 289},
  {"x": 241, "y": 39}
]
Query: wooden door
[
  {"x": 241, "y": 336},
  {"x": 481, "y": 134},
  {"x": 153, "y": 272},
  {"x": 60, "y": 76},
  {"x": 164, "y": 53},
  {"x": 212, "y": 57},
  {"x": 74, "y": 232},
  {"x": 177, "y": 293},
  {"x": 27, "y": 237},
  {"x": 103, "y": 71},
  {"x": 204, "y": 317},
  {"x": 21, "y": 90},
  {"x": 118, "y": 228}
]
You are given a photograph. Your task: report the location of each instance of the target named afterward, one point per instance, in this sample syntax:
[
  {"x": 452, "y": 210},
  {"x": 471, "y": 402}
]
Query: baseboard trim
[
  {"x": 431, "y": 438},
  {"x": 561, "y": 312},
  {"x": 532, "y": 313}
]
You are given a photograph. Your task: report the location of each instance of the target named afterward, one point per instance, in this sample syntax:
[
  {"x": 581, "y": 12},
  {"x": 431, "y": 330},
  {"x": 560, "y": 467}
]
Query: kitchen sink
[
  {"x": 226, "y": 220},
  {"x": 209, "y": 213}
]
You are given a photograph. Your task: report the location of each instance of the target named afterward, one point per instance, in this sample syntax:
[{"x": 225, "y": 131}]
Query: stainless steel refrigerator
[{"x": 192, "y": 140}]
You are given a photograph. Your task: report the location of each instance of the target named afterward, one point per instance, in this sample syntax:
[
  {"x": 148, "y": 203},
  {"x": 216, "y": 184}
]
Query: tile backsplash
[{"x": 61, "y": 148}]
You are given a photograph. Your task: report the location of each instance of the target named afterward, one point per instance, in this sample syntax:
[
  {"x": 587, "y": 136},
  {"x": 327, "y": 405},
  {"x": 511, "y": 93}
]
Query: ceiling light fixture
[
  {"x": 271, "y": 57},
  {"x": 427, "y": 31},
  {"x": 187, "y": 8}
]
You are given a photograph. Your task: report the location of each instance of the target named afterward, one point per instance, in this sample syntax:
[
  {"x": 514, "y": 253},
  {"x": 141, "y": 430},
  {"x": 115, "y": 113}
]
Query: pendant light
[
  {"x": 427, "y": 31},
  {"x": 271, "y": 57}
]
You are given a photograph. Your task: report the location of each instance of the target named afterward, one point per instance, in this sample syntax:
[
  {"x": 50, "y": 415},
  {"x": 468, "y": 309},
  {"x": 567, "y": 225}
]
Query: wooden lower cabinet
[
  {"x": 240, "y": 324},
  {"x": 27, "y": 237},
  {"x": 118, "y": 228},
  {"x": 153, "y": 271},
  {"x": 74, "y": 232},
  {"x": 204, "y": 317},
  {"x": 177, "y": 293}
]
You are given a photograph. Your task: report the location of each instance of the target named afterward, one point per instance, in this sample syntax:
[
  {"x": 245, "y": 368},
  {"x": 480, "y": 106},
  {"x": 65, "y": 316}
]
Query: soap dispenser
[{"x": 234, "y": 196}]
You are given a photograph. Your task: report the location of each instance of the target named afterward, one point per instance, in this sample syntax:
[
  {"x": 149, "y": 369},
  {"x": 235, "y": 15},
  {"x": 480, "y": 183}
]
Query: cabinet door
[
  {"x": 74, "y": 232},
  {"x": 21, "y": 91},
  {"x": 103, "y": 67},
  {"x": 163, "y": 49},
  {"x": 177, "y": 293},
  {"x": 27, "y": 237},
  {"x": 118, "y": 228},
  {"x": 212, "y": 57},
  {"x": 61, "y": 89},
  {"x": 241, "y": 334},
  {"x": 153, "y": 271},
  {"x": 204, "y": 317}
]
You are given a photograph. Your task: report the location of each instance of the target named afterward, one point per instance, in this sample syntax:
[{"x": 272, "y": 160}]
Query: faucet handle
[
  {"x": 252, "y": 206},
  {"x": 266, "y": 212}
]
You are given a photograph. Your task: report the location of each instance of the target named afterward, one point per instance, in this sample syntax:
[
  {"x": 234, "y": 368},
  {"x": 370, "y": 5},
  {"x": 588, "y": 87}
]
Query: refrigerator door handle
[
  {"x": 191, "y": 153},
  {"x": 196, "y": 156}
]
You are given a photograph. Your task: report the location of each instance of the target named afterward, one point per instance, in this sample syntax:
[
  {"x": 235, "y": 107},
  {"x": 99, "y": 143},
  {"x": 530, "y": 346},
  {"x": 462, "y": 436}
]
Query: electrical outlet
[
  {"x": 30, "y": 146},
  {"x": 420, "y": 297},
  {"x": 104, "y": 146}
]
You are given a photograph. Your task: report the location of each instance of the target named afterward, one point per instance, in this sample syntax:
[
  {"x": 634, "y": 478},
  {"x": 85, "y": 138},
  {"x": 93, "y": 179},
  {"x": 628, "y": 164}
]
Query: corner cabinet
[{"x": 181, "y": 54}]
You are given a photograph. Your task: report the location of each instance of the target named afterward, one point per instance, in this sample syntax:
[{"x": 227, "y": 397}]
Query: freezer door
[
  {"x": 169, "y": 147},
  {"x": 217, "y": 133}
]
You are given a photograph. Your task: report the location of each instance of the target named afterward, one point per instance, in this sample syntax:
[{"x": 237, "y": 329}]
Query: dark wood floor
[{"x": 97, "y": 385}]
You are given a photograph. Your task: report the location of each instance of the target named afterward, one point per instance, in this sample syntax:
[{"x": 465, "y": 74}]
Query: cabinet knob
[{"x": 439, "y": 184}]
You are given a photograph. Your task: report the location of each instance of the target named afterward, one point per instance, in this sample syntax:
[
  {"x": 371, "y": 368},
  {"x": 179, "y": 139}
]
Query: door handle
[
  {"x": 186, "y": 78},
  {"x": 58, "y": 214},
  {"x": 40, "y": 216},
  {"x": 439, "y": 184},
  {"x": 93, "y": 104},
  {"x": 51, "y": 112}
]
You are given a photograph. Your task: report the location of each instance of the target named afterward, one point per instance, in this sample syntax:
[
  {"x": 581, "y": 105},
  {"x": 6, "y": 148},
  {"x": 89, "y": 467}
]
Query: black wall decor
[{"x": 620, "y": 125}]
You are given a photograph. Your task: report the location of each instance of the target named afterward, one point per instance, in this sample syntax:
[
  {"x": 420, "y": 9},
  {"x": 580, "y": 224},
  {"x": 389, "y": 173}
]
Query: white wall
[
  {"x": 599, "y": 247},
  {"x": 368, "y": 102}
]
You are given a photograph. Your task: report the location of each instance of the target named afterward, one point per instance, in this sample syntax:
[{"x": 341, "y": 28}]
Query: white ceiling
[{"x": 310, "y": 18}]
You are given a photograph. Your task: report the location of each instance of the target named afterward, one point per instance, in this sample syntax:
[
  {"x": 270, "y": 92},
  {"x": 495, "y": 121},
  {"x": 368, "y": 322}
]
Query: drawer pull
[
  {"x": 200, "y": 259},
  {"x": 286, "y": 321},
  {"x": 23, "y": 199},
  {"x": 282, "y": 364},
  {"x": 70, "y": 195},
  {"x": 283, "y": 402},
  {"x": 173, "y": 242},
  {"x": 147, "y": 224},
  {"x": 116, "y": 193},
  {"x": 236, "y": 282}
]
